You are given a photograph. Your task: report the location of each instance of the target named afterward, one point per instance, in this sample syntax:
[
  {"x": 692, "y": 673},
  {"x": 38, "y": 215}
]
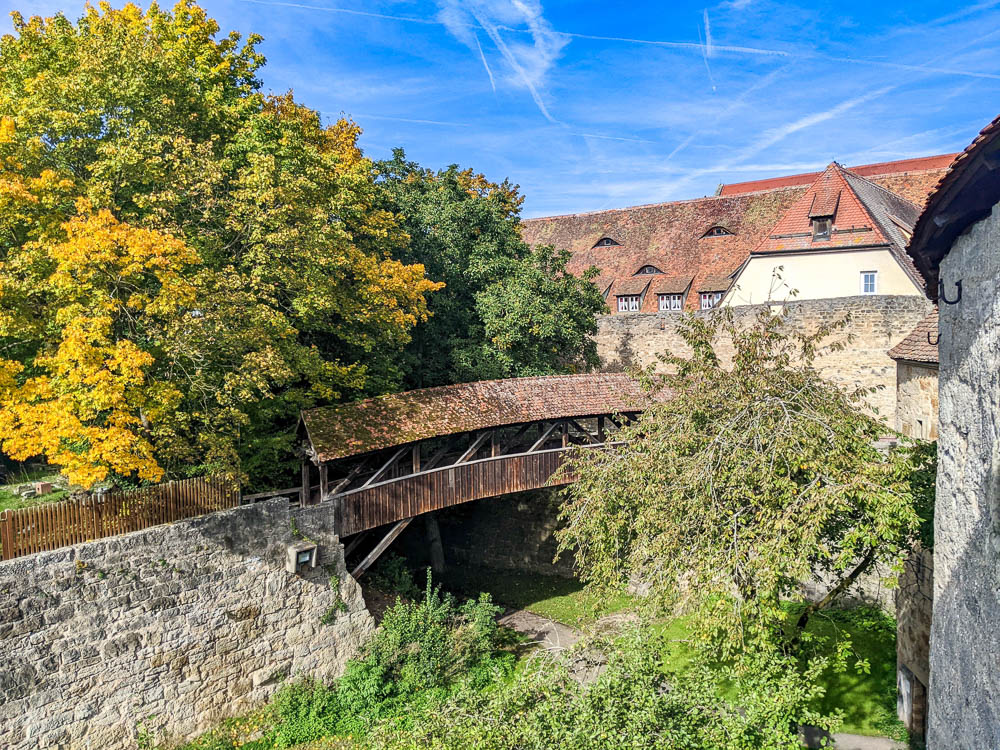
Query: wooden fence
[{"x": 52, "y": 525}]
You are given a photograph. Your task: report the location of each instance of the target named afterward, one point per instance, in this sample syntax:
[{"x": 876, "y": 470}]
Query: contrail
[
  {"x": 485, "y": 65},
  {"x": 735, "y": 49},
  {"x": 612, "y": 138},
  {"x": 509, "y": 56},
  {"x": 359, "y": 116},
  {"x": 706, "y": 51}
]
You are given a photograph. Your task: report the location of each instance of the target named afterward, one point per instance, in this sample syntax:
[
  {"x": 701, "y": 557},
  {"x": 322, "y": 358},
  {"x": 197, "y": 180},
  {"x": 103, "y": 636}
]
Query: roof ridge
[
  {"x": 874, "y": 184},
  {"x": 663, "y": 203}
]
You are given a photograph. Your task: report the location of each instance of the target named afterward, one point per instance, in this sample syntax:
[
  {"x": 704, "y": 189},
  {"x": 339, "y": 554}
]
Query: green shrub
[
  {"x": 633, "y": 704},
  {"x": 392, "y": 575}
]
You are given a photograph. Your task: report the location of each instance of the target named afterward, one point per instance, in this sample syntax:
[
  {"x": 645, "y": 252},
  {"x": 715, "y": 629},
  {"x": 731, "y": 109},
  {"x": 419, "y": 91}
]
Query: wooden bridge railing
[
  {"x": 52, "y": 525},
  {"x": 396, "y": 499}
]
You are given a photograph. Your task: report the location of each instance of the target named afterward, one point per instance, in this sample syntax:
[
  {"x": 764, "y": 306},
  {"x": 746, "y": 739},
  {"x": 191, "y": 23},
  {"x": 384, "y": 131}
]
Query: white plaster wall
[
  {"x": 965, "y": 633},
  {"x": 817, "y": 275}
]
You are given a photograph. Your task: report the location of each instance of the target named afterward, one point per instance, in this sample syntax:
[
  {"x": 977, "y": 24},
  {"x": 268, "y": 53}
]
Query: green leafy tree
[
  {"x": 742, "y": 480},
  {"x": 506, "y": 310},
  {"x": 241, "y": 254}
]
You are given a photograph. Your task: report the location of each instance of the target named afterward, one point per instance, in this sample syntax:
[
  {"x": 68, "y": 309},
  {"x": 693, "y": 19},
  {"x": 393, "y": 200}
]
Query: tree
[
  {"x": 738, "y": 483},
  {"x": 216, "y": 259},
  {"x": 506, "y": 310}
]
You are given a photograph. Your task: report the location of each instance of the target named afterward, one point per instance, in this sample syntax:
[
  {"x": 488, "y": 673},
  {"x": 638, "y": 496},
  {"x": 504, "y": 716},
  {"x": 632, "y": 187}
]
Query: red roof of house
[
  {"x": 902, "y": 166},
  {"x": 864, "y": 214},
  {"x": 671, "y": 237}
]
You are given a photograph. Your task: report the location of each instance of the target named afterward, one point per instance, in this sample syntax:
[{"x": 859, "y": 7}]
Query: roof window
[
  {"x": 717, "y": 231},
  {"x": 821, "y": 229},
  {"x": 647, "y": 270},
  {"x": 606, "y": 242}
]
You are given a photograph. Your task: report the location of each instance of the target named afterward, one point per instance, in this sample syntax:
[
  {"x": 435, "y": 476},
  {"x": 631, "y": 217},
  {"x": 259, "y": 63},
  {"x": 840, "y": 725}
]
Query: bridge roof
[{"x": 400, "y": 418}]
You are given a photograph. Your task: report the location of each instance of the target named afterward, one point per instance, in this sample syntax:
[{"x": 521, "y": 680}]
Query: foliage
[
  {"x": 185, "y": 263},
  {"x": 506, "y": 310},
  {"x": 634, "y": 703},
  {"x": 741, "y": 481},
  {"x": 422, "y": 652},
  {"x": 392, "y": 575}
]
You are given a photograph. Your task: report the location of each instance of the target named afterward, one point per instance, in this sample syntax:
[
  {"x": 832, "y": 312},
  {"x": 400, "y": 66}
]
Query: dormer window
[
  {"x": 648, "y": 269},
  {"x": 821, "y": 229},
  {"x": 606, "y": 242},
  {"x": 717, "y": 232}
]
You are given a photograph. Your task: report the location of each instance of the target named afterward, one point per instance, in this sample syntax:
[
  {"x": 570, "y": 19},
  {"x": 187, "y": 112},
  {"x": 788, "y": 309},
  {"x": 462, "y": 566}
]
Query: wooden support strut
[
  {"x": 381, "y": 547},
  {"x": 385, "y": 467},
  {"x": 545, "y": 436}
]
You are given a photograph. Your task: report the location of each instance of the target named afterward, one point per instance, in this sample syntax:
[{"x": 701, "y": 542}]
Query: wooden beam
[
  {"x": 395, "y": 457},
  {"x": 545, "y": 436},
  {"x": 416, "y": 458},
  {"x": 355, "y": 470},
  {"x": 381, "y": 547},
  {"x": 476, "y": 445},
  {"x": 584, "y": 430},
  {"x": 324, "y": 483},
  {"x": 436, "y": 458},
  {"x": 306, "y": 494},
  {"x": 353, "y": 544},
  {"x": 517, "y": 436}
]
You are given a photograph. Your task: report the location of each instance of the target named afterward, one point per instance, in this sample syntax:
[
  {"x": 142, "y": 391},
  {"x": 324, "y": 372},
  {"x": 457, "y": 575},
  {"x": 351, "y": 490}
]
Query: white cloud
[{"x": 529, "y": 63}]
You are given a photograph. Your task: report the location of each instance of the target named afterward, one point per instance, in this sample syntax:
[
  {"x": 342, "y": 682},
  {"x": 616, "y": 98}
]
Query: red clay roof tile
[
  {"x": 917, "y": 346},
  {"x": 400, "y": 418}
]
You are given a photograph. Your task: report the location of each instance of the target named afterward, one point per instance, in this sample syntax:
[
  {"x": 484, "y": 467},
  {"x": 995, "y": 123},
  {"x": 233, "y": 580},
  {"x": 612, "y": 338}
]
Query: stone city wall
[
  {"x": 172, "y": 628},
  {"x": 877, "y": 323},
  {"x": 965, "y": 637}
]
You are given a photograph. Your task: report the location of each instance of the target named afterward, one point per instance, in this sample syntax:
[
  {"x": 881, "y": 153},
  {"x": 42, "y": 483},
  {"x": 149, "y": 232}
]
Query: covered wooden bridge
[{"x": 389, "y": 459}]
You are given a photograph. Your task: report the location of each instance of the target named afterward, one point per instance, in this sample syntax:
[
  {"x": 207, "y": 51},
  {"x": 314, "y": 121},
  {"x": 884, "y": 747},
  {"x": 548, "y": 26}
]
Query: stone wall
[
  {"x": 914, "y": 600},
  {"x": 917, "y": 400},
  {"x": 515, "y": 532},
  {"x": 176, "y": 627},
  {"x": 965, "y": 637},
  {"x": 877, "y": 324}
]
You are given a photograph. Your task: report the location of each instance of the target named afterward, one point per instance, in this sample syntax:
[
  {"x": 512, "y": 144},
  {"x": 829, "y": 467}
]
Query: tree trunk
[
  {"x": 832, "y": 594},
  {"x": 434, "y": 543}
]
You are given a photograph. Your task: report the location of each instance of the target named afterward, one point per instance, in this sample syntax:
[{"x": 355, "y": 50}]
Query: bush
[
  {"x": 392, "y": 575},
  {"x": 756, "y": 702}
]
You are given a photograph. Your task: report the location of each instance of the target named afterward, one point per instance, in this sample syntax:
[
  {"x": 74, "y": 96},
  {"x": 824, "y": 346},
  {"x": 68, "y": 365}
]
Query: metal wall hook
[
  {"x": 944, "y": 298},
  {"x": 935, "y": 341}
]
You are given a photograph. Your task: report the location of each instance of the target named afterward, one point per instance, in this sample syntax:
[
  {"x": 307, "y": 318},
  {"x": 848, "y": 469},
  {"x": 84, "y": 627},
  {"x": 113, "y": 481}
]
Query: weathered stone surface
[
  {"x": 965, "y": 636},
  {"x": 877, "y": 323},
  {"x": 176, "y": 627},
  {"x": 917, "y": 400}
]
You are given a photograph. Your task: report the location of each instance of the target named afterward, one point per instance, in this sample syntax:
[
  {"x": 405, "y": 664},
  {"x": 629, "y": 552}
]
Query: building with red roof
[{"x": 693, "y": 254}]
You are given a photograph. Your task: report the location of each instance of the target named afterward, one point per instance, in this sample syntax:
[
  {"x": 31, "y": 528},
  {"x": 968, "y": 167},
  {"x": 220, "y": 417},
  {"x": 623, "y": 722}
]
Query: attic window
[
  {"x": 821, "y": 229},
  {"x": 648, "y": 269},
  {"x": 717, "y": 232},
  {"x": 606, "y": 242}
]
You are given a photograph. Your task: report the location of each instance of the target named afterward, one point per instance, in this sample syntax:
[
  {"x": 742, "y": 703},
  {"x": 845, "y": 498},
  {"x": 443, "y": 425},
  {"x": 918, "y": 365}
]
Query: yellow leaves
[{"x": 102, "y": 254}]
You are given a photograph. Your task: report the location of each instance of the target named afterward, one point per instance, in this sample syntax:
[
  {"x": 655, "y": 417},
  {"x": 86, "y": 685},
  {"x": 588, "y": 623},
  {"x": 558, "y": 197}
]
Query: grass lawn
[
  {"x": 867, "y": 698},
  {"x": 9, "y": 499},
  {"x": 561, "y": 599}
]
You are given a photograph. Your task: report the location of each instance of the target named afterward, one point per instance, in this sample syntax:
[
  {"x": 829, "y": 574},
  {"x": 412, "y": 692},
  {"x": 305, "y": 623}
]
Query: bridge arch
[{"x": 389, "y": 459}]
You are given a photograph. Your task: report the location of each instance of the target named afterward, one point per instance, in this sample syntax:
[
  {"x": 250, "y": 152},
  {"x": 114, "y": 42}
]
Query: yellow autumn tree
[
  {"x": 185, "y": 262},
  {"x": 90, "y": 399}
]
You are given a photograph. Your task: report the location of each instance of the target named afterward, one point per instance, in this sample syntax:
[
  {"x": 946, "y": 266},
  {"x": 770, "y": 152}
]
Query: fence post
[{"x": 6, "y": 535}]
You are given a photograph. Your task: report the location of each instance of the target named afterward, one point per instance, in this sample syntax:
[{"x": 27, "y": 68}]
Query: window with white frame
[
  {"x": 710, "y": 300},
  {"x": 628, "y": 303},
  {"x": 670, "y": 302},
  {"x": 869, "y": 282}
]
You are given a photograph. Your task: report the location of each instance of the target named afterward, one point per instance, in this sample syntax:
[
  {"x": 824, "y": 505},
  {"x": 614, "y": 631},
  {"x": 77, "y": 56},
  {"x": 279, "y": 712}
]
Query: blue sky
[{"x": 593, "y": 105}]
